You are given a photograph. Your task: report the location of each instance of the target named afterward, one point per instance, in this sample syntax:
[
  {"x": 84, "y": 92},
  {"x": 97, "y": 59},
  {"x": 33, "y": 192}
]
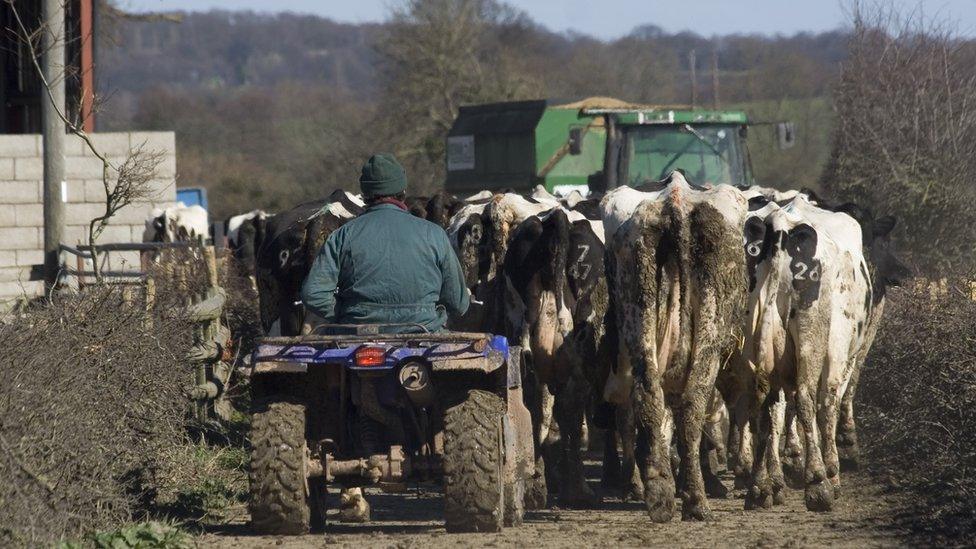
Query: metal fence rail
[{"x": 81, "y": 252}]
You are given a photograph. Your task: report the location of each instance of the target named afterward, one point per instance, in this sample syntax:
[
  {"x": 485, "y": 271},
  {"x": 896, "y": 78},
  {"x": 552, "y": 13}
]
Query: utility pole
[
  {"x": 694, "y": 79},
  {"x": 52, "y": 105},
  {"x": 715, "y": 78}
]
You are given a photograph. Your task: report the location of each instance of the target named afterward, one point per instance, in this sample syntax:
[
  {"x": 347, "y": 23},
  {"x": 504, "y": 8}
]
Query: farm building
[{"x": 21, "y": 149}]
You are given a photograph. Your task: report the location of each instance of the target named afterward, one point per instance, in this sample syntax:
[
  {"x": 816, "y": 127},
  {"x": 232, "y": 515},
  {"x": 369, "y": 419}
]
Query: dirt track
[{"x": 862, "y": 518}]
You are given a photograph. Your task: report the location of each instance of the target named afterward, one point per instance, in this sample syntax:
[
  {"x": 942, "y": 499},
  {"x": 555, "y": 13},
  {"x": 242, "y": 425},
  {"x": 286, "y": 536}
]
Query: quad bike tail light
[{"x": 370, "y": 356}]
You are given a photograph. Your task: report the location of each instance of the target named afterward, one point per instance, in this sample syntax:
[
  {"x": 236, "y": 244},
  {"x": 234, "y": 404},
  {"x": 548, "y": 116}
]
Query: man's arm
[
  {"x": 454, "y": 294},
  {"x": 319, "y": 289}
]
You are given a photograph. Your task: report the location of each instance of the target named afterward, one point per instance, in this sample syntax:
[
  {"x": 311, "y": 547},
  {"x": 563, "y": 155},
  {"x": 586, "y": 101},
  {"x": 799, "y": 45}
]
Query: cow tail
[
  {"x": 678, "y": 261},
  {"x": 497, "y": 236},
  {"x": 559, "y": 252}
]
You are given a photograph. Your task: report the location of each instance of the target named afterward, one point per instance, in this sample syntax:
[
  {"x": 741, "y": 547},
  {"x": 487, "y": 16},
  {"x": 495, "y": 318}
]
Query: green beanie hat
[{"x": 382, "y": 176}]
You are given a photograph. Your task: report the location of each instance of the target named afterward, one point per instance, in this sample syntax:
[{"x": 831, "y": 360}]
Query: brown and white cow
[{"x": 676, "y": 273}]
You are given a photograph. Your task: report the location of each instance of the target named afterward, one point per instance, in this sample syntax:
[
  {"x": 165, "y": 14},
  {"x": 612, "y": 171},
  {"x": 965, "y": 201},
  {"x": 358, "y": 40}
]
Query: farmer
[{"x": 385, "y": 267}]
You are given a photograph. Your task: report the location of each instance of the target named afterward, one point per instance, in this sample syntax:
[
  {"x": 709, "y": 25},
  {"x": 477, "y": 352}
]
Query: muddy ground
[{"x": 863, "y": 517}]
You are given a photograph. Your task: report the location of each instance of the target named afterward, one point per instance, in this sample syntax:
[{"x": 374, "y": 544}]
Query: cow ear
[
  {"x": 811, "y": 195},
  {"x": 803, "y": 239},
  {"x": 754, "y": 229},
  {"x": 883, "y": 226},
  {"x": 757, "y": 203}
]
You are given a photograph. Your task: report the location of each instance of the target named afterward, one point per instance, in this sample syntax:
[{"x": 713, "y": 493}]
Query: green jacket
[{"x": 386, "y": 266}]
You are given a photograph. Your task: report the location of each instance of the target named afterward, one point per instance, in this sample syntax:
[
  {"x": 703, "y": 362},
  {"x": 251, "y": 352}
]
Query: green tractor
[{"x": 594, "y": 145}]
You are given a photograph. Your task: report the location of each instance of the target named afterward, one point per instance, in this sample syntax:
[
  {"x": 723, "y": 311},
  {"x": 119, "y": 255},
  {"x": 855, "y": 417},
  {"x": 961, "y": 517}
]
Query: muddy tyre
[
  {"x": 279, "y": 499},
  {"x": 474, "y": 498}
]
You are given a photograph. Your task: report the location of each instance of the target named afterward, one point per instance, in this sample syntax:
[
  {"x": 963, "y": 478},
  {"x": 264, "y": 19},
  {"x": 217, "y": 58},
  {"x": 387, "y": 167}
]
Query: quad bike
[{"x": 361, "y": 407}]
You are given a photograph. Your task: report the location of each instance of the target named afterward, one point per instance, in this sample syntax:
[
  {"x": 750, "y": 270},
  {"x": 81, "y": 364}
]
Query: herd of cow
[{"x": 730, "y": 321}]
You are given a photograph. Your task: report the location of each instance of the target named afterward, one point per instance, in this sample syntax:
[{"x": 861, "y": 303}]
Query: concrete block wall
[{"x": 21, "y": 209}]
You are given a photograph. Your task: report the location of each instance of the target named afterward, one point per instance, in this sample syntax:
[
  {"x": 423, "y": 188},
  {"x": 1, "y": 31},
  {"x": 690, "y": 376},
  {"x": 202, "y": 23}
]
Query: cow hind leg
[
  {"x": 775, "y": 463},
  {"x": 573, "y": 492},
  {"x": 633, "y": 488},
  {"x": 818, "y": 493},
  {"x": 605, "y": 418},
  {"x": 760, "y": 492},
  {"x": 710, "y": 467},
  {"x": 827, "y": 410},
  {"x": 792, "y": 458},
  {"x": 847, "y": 447},
  {"x": 690, "y": 419},
  {"x": 655, "y": 463},
  {"x": 740, "y": 449}
]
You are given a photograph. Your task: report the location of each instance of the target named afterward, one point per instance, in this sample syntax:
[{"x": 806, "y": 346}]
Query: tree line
[{"x": 273, "y": 109}]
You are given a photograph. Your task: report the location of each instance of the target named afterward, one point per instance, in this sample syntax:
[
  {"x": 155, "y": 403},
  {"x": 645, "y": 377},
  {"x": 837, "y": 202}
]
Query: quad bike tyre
[
  {"x": 474, "y": 494},
  {"x": 280, "y": 502}
]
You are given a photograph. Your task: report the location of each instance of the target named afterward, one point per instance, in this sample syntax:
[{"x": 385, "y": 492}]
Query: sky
[{"x": 608, "y": 19}]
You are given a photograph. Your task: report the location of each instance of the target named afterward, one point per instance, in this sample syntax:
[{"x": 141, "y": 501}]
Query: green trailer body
[
  {"x": 522, "y": 144},
  {"x": 563, "y": 146}
]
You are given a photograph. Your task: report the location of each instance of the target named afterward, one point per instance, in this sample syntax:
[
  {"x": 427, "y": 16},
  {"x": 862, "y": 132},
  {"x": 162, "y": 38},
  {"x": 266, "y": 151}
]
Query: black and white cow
[
  {"x": 813, "y": 316},
  {"x": 675, "y": 270},
  {"x": 291, "y": 241},
  {"x": 176, "y": 224},
  {"x": 438, "y": 209},
  {"x": 553, "y": 300},
  {"x": 244, "y": 234}
]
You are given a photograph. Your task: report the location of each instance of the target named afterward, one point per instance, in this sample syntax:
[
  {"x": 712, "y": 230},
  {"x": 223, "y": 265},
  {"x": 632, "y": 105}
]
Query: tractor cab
[{"x": 709, "y": 147}]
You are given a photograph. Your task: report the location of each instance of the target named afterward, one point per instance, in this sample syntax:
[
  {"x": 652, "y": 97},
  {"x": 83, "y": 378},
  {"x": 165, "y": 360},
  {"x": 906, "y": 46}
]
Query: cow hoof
[
  {"x": 757, "y": 498},
  {"x": 695, "y": 510},
  {"x": 659, "y": 498},
  {"x": 819, "y": 497},
  {"x": 356, "y": 510},
  {"x": 779, "y": 496},
  {"x": 714, "y": 488},
  {"x": 535, "y": 493}
]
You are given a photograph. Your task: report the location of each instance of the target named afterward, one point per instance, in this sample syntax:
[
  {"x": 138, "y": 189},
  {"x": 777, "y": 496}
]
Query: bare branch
[{"x": 132, "y": 181}]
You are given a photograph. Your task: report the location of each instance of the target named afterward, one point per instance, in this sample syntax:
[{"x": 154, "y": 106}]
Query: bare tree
[
  {"x": 438, "y": 55},
  {"x": 123, "y": 183},
  {"x": 905, "y": 137}
]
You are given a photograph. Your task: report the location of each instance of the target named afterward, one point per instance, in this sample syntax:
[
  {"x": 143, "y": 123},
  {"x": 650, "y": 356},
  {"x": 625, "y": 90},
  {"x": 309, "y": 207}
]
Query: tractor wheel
[
  {"x": 280, "y": 502},
  {"x": 473, "y": 464}
]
